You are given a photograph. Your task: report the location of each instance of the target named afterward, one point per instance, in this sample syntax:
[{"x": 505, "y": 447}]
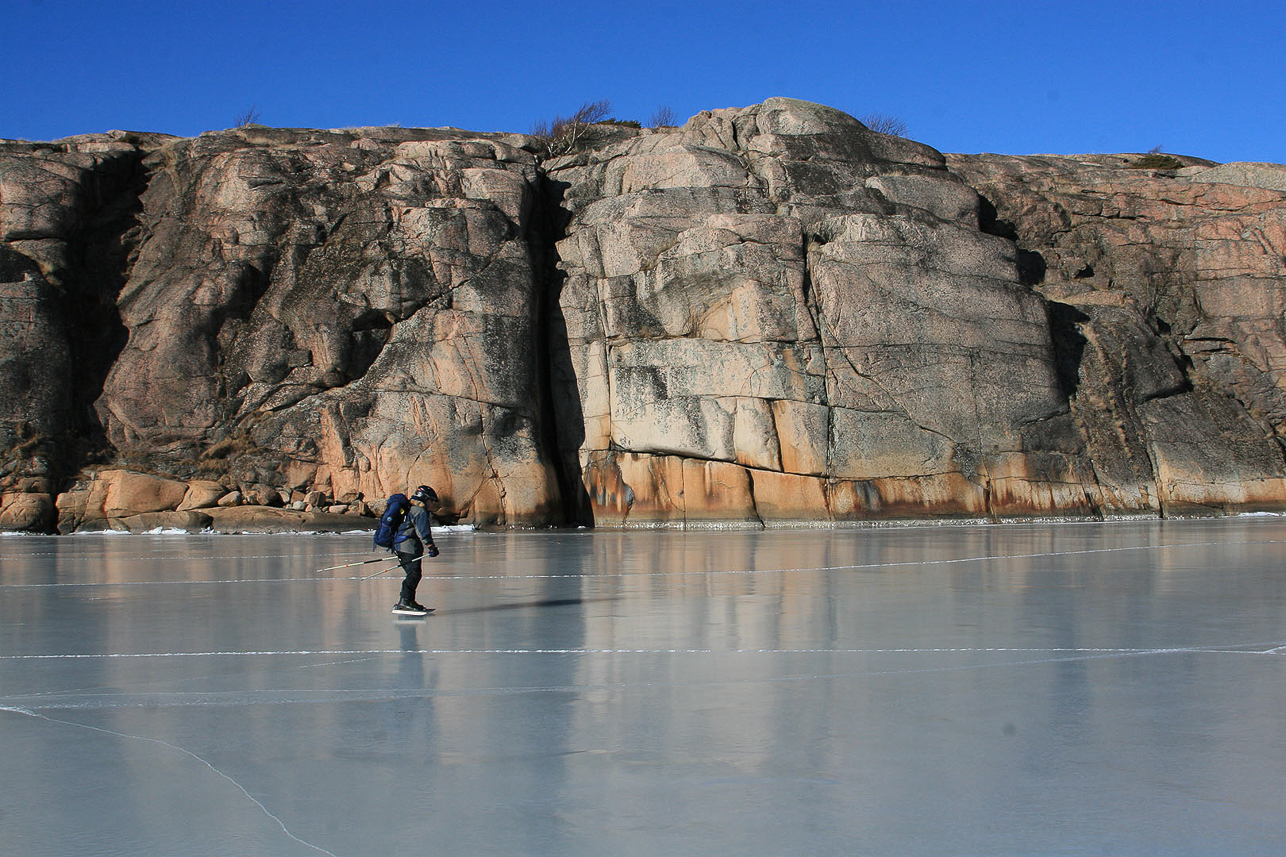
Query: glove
[{"x": 431, "y": 550}]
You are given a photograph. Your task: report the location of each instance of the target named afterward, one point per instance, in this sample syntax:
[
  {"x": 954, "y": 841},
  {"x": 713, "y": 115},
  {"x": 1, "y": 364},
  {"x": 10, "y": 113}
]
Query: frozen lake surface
[{"x": 1067, "y": 689}]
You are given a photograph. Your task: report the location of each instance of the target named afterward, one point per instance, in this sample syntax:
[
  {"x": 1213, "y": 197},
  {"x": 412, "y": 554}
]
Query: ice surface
[{"x": 967, "y": 690}]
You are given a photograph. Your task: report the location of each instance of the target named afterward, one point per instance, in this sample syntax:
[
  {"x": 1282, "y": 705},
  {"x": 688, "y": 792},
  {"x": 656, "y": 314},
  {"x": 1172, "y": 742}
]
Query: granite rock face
[
  {"x": 1168, "y": 290},
  {"x": 771, "y": 315},
  {"x": 343, "y": 313},
  {"x": 66, "y": 220},
  {"x": 775, "y": 315}
]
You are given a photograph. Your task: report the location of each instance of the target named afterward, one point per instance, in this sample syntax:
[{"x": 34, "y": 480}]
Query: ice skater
[{"x": 412, "y": 541}]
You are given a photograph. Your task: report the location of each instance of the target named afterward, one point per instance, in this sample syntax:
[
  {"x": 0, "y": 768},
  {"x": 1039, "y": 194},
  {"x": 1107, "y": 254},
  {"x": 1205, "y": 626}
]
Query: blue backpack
[{"x": 391, "y": 521}]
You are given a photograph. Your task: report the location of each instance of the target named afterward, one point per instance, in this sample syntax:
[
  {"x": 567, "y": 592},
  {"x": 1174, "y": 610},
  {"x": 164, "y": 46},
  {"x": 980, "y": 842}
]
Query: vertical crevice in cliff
[
  {"x": 101, "y": 256},
  {"x": 561, "y": 416},
  {"x": 812, "y": 241}
]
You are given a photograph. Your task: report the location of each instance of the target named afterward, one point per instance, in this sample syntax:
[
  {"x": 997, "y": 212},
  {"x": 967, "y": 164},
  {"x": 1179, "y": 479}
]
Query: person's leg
[{"x": 411, "y": 565}]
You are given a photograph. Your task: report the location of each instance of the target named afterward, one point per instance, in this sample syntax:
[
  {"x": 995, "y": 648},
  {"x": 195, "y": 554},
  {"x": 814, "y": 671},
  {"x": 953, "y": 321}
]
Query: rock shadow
[
  {"x": 1031, "y": 265},
  {"x": 561, "y": 399},
  {"x": 1069, "y": 344},
  {"x": 102, "y": 256}
]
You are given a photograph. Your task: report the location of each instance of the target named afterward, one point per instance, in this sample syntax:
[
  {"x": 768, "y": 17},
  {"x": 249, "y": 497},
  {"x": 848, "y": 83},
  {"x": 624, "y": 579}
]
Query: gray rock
[
  {"x": 1166, "y": 315},
  {"x": 780, "y": 288},
  {"x": 771, "y": 315},
  {"x": 35, "y": 359},
  {"x": 344, "y": 299},
  {"x": 1266, "y": 176}
]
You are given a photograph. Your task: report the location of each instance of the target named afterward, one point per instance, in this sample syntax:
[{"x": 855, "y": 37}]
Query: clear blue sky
[{"x": 1198, "y": 78}]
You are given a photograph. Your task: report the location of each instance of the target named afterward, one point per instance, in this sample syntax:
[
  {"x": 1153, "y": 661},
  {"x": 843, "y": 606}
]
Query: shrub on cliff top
[
  {"x": 564, "y": 134},
  {"x": 663, "y": 118},
  {"x": 247, "y": 117},
  {"x": 884, "y": 124},
  {"x": 1156, "y": 161}
]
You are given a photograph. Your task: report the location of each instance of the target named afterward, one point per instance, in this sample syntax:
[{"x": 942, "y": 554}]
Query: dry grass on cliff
[
  {"x": 219, "y": 458},
  {"x": 1156, "y": 161}
]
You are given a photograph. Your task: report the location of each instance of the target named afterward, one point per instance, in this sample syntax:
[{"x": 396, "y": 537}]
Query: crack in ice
[
  {"x": 268, "y": 697},
  {"x": 28, "y": 713}
]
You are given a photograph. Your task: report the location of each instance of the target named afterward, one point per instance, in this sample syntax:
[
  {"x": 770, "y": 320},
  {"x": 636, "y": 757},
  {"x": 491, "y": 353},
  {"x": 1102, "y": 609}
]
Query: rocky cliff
[{"x": 771, "y": 315}]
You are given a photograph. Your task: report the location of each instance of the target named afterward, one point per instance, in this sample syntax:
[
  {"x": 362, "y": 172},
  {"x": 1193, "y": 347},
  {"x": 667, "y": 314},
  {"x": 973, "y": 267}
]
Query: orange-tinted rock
[
  {"x": 27, "y": 512},
  {"x": 202, "y": 494}
]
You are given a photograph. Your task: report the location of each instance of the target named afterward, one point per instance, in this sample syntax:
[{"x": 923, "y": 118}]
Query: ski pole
[
  {"x": 351, "y": 564},
  {"x": 391, "y": 567}
]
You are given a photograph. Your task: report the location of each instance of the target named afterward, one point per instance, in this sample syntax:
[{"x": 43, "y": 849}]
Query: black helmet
[{"x": 425, "y": 495}]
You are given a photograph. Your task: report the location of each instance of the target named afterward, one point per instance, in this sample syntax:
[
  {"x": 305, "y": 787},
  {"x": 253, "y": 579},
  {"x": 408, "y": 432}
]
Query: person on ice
[{"x": 413, "y": 540}]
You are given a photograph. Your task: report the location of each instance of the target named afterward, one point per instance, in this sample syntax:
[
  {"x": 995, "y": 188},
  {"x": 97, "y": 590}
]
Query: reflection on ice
[{"x": 1071, "y": 689}]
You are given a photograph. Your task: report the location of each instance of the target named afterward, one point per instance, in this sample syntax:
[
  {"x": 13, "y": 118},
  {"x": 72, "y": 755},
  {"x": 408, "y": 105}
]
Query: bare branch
[
  {"x": 249, "y": 116},
  {"x": 562, "y": 134},
  {"x": 663, "y": 118},
  {"x": 884, "y": 124}
]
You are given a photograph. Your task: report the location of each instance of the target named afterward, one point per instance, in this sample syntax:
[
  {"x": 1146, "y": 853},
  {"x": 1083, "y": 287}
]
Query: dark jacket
[{"x": 415, "y": 532}]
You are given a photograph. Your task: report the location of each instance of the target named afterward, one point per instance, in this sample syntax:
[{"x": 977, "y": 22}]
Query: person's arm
[{"x": 425, "y": 531}]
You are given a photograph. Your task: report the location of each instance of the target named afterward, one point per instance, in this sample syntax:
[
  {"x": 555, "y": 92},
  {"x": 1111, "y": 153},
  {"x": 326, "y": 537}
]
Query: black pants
[{"x": 410, "y": 563}]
